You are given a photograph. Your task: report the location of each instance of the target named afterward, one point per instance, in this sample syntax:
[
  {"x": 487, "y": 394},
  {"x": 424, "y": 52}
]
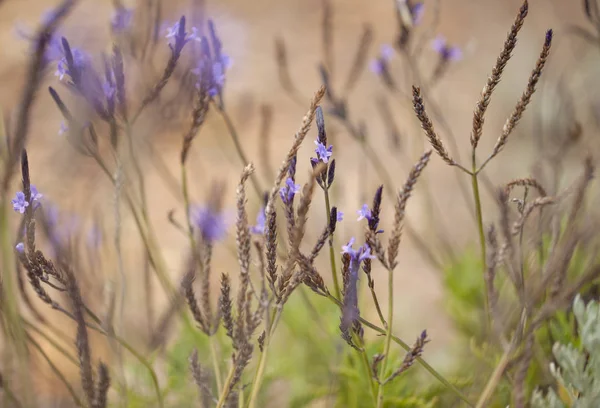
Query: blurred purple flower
[
  {"x": 109, "y": 90},
  {"x": 20, "y": 247},
  {"x": 261, "y": 219},
  {"x": 339, "y": 216},
  {"x": 121, "y": 19},
  {"x": 350, "y": 312},
  {"x": 323, "y": 153},
  {"x": 217, "y": 74},
  {"x": 416, "y": 11},
  {"x": 446, "y": 52},
  {"x": 364, "y": 213},
  {"x": 174, "y": 35},
  {"x": 288, "y": 192},
  {"x": 63, "y": 128},
  {"x": 19, "y": 203},
  {"x": 80, "y": 59},
  {"x": 211, "y": 224},
  {"x": 379, "y": 64}
]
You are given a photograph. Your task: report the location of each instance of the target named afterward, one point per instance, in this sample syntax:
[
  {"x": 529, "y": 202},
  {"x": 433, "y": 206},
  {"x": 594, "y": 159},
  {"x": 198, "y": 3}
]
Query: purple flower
[
  {"x": 121, "y": 19},
  {"x": 288, "y": 192},
  {"x": 109, "y": 90},
  {"x": 35, "y": 195},
  {"x": 63, "y": 128},
  {"x": 19, "y": 203},
  {"x": 359, "y": 255},
  {"x": 364, "y": 213},
  {"x": 178, "y": 37},
  {"x": 323, "y": 153},
  {"x": 210, "y": 223},
  {"x": 417, "y": 11},
  {"x": 20, "y": 247},
  {"x": 446, "y": 52},
  {"x": 79, "y": 60},
  {"x": 340, "y": 216},
  {"x": 216, "y": 78},
  {"x": 379, "y": 64},
  {"x": 261, "y": 219}
]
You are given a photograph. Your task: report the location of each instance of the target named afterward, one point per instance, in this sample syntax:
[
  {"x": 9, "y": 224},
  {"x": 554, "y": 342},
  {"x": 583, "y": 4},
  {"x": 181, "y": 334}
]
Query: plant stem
[
  {"x": 336, "y": 284},
  {"x": 388, "y": 337},
  {"x": 406, "y": 347},
  {"x": 260, "y": 371},
  {"x": 494, "y": 379},
  {"x": 238, "y": 147},
  {"x": 213, "y": 354},
  {"x": 479, "y": 213},
  {"x": 225, "y": 393}
]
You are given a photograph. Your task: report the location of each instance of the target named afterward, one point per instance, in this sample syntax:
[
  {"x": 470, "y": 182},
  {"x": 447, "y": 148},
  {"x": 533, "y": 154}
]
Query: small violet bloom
[
  {"x": 121, "y": 19},
  {"x": 63, "y": 128},
  {"x": 417, "y": 11},
  {"x": 446, "y": 52},
  {"x": 359, "y": 255},
  {"x": 288, "y": 192},
  {"x": 323, "y": 153},
  {"x": 340, "y": 216},
  {"x": 109, "y": 90},
  {"x": 173, "y": 35},
  {"x": 364, "y": 213},
  {"x": 19, "y": 203},
  {"x": 20, "y": 247},
  {"x": 62, "y": 68},
  {"x": 261, "y": 219},
  {"x": 211, "y": 224},
  {"x": 379, "y": 64}
]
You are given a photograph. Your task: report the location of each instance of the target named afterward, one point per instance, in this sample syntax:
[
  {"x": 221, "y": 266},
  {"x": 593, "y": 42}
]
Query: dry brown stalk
[
  {"x": 400, "y": 208},
  {"x": 427, "y": 126},
  {"x": 494, "y": 78}
]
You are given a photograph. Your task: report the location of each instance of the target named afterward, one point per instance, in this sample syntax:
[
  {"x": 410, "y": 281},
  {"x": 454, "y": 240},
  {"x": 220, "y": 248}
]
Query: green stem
[
  {"x": 262, "y": 364},
  {"x": 336, "y": 284},
  {"x": 406, "y": 347},
  {"x": 367, "y": 367},
  {"x": 494, "y": 379},
  {"x": 479, "y": 214},
  {"x": 388, "y": 336},
  {"x": 225, "y": 393},
  {"x": 213, "y": 353}
]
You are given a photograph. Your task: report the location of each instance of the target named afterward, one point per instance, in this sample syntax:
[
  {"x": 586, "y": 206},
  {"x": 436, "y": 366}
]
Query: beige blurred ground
[{"x": 248, "y": 30}]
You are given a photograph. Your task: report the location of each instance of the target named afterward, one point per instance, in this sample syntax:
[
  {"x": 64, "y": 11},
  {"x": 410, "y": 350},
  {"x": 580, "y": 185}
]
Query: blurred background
[{"x": 259, "y": 105}]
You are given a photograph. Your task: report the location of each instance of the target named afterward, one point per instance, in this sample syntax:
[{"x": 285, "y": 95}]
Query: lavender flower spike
[
  {"x": 323, "y": 153},
  {"x": 350, "y": 312},
  {"x": 364, "y": 213},
  {"x": 19, "y": 203},
  {"x": 211, "y": 224},
  {"x": 379, "y": 64},
  {"x": 288, "y": 192},
  {"x": 261, "y": 219},
  {"x": 446, "y": 52}
]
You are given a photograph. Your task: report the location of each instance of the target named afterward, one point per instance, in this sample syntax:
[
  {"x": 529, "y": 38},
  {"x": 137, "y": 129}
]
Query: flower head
[
  {"x": 178, "y": 37},
  {"x": 446, "y": 52},
  {"x": 288, "y": 192},
  {"x": 364, "y": 213},
  {"x": 19, "y": 203},
  {"x": 339, "y": 216},
  {"x": 359, "y": 255},
  {"x": 80, "y": 60},
  {"x": 63, "y": 128},
  {"x": 261, "y": 219},
  {"x": 210, "y": 223},
  {"x": 20, "y": 247},
  {"x": 416, "y": 11},
  {"x": 323, "y": 153},
  {"x": 379, "y": 65},
  {"x": 121, "y": 19}
]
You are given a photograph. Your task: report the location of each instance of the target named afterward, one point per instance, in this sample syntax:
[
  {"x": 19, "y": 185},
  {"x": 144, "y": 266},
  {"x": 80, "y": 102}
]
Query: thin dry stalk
[
  {"x": 400, "y": 208},
  {"x": 494, "y": 78},
  {"x": 525, "y": 182},
  {"x": 517, "y": 113},
  {"x": 201, "y": 378},
  {"x": 427, "y": 126}
]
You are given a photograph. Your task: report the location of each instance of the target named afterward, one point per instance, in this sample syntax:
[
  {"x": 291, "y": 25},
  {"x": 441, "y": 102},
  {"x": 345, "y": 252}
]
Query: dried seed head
[
  {"x": 427, "y": 126},
  {"x": 400, "y": 208},
  {"x": 517, "y": 113},
  {"x": 494, "y": 79},
  {"x": 225, "y": 305}
]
